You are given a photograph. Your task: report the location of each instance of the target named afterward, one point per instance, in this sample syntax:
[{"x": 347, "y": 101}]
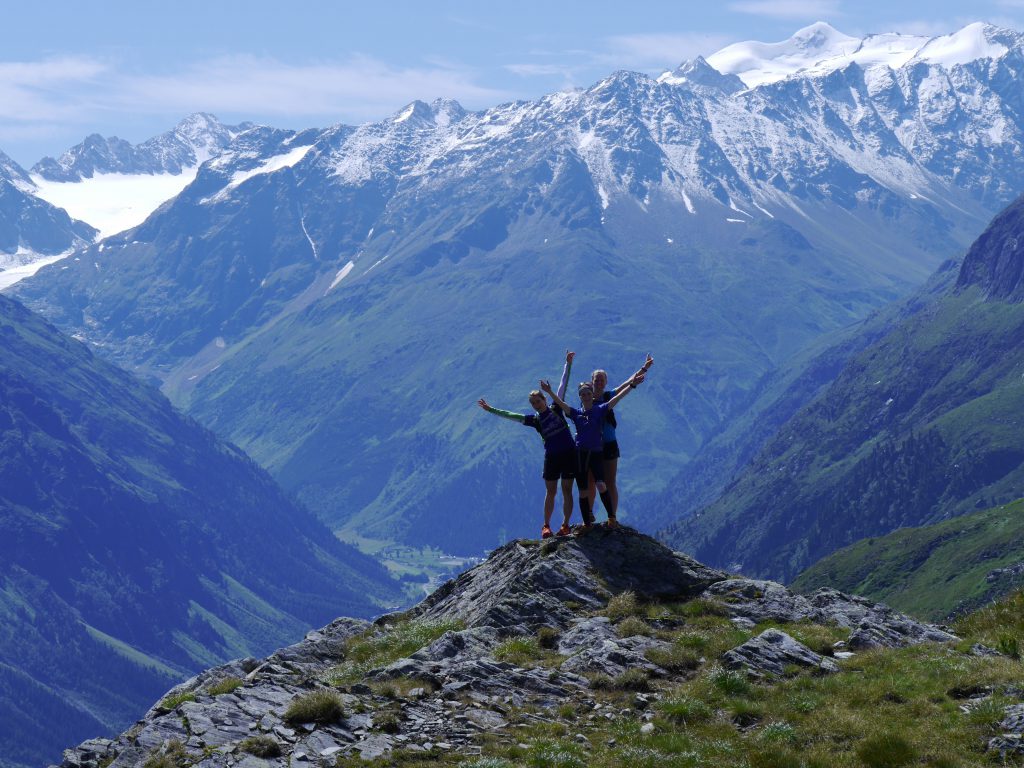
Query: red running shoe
[
  {"x": 565, "y": 530},
  {"x": 545, "y": 532}
]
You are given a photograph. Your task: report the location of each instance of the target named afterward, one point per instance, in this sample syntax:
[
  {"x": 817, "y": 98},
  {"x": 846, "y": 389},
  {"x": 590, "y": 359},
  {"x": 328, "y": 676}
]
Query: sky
[{"x": 134, "y": 69}]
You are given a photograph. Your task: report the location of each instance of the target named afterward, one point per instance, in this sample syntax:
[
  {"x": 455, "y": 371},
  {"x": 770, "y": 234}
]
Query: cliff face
[
  {"x": 575, "y": 636},
  {"x": 995, "y": 261}
]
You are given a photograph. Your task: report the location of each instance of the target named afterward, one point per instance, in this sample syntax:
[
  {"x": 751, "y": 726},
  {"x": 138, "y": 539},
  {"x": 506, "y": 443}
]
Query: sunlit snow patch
[
  {"x": 275, "y": 163},
  {"x": 341, "y": 275},
  {"x": 113, "y": 202},
  {"x": 24, "y": 264}
]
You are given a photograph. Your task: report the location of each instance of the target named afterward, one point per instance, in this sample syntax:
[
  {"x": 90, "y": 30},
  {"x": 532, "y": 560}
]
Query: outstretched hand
[
  {"x": 545, "y": 386},
  {"x": 638, "y": 378},
  {"x": 569, "y": 356},
  {"x": 648, "y": 363},
  {"x": 483, "y": 404}
]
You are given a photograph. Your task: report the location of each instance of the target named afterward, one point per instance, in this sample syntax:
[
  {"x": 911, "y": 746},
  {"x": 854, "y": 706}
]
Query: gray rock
[
  {"x": 874, "y": 625},
  {"x": 771, "y": 652},
  {"x": 527, "y": 584}
]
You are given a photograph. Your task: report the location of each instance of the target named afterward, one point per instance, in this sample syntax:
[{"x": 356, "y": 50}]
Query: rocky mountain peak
[
  {"x": 699, "y": 72},
  {"x": 539, "y": 632}
]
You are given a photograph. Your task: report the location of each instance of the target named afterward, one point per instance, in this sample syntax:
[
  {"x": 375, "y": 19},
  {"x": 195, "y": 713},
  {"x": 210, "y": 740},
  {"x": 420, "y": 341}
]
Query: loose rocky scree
[{"x": 570, "y": 651}]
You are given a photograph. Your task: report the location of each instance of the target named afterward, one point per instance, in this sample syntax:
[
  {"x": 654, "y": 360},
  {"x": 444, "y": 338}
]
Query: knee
[{"x": 601, "y": 487}]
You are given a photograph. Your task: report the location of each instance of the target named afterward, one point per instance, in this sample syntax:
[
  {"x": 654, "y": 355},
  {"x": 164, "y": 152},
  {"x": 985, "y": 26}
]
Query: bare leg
[{"x": 549, "y": 500}]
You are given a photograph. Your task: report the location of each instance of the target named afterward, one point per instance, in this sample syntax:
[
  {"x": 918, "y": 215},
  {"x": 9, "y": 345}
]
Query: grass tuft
[
  {"x": 321, "y": 707},
  {"x": 886, "y": 750},
  {"x": 227, "y": 685},
  {"x": 261, "y": 746},
  {"x": 623, "y": 605}
]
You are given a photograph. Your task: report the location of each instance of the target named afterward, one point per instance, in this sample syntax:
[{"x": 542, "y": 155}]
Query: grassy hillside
[
  {"x": 932, "y": 571},
  {"x": 136, "y": 547}
]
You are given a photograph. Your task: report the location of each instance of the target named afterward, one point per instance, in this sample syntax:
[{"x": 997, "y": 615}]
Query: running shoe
[
  {"x": 612, "y": 523},
  {"x": 565, "y": 530},
  {"x": 545, "y": 532}
]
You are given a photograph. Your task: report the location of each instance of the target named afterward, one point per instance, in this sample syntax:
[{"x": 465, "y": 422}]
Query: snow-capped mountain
[
  {"x": 820, "y": 49},
  {"x": 32, "y": 232},
  {"x": 328, "y": 299},
  {"x": 115, "y": 185}
]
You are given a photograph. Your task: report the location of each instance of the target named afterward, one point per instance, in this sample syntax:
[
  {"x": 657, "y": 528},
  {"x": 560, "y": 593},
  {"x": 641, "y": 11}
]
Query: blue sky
[{"x": 133, "y": 69}]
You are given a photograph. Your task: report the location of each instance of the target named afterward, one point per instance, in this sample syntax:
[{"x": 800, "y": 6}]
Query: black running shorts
[{"x": 560, "y": 465}]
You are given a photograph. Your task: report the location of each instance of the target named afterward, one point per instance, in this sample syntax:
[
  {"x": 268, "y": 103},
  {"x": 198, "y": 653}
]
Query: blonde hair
[
  {"x": 593, "y": 376},
  {"x": 536, "y": 393}
]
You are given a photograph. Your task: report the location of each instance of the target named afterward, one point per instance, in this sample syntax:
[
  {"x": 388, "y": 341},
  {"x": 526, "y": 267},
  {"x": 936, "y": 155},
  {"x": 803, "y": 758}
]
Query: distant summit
[
  {"x": 819, "y": 49},
  {"x": 195, "y": 139}
]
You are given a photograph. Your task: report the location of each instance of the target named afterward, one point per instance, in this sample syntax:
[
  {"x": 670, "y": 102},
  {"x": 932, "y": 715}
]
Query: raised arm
[
  {"x": 545, "y": 386},
  {"x": 634, "y": 380},
  {"x": 642, "y": 372},
  {"x": 565, "y": 373},
  {"x": 498, "y": 412}
]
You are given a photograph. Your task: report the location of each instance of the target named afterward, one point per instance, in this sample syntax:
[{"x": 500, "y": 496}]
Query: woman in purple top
[
  {"x": 589, "y": 423},
  {"x": 559, "y": 449}
]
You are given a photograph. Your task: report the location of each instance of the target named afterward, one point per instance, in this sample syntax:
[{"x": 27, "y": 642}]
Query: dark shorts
[
  {"x": 560, "y": 465},
  {"x": 589, "y": 461},
  {"x": 611, "y": 450}
]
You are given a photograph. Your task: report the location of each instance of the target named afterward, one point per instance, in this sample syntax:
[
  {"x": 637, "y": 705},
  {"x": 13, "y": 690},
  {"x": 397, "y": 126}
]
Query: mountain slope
[
  {"x": 136, "y": 547},
  {"x": 335, "y": 301},
  {"x": 934, "y": 571},
  {"x": 607, "y": 650},
  {"x": 919, "y": 427}
]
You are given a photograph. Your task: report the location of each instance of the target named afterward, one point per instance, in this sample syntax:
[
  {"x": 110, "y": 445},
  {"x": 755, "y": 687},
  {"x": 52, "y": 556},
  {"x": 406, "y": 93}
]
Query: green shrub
[
  {"x": 676, "y": 659},
  {"x": 632, "y": 626},
  {"x": 321, "y": 706},
  {"x": 1009, "y": 646},
  {"x": 176, "y": 700},
  {"x": 632, "y": 680},
  {"x": 261, "y": 746},
  {"x": 729, "y": 681},
  {"x": 622, "y": 605},
  {"x": 685, "y": 710},
  {"x": 886, "y": 750},
  {"x": 702, "y": 607},
  {"x": 778, "y": 732},
  {"x": 227, "y": 685},
  {"x": 601, "y": 682},
  {"x": 519, "y": 650}
]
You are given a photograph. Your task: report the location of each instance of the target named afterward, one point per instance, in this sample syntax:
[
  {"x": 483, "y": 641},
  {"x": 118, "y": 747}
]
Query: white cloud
[
  {"x": 47, "y": 90},
  {"x": 788, "y": 9},
  {"x": 663, "y": 51},
  {"x": 360, "y": 88}
]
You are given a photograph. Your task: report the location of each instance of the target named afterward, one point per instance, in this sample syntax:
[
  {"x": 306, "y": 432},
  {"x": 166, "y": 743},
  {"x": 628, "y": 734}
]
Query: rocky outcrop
[
  {"x": 528, "y": 632},
  {"x": 515, "y": 589},
  {"x": 874, "y": 625},
  {"x": 773, "y": 652}
]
